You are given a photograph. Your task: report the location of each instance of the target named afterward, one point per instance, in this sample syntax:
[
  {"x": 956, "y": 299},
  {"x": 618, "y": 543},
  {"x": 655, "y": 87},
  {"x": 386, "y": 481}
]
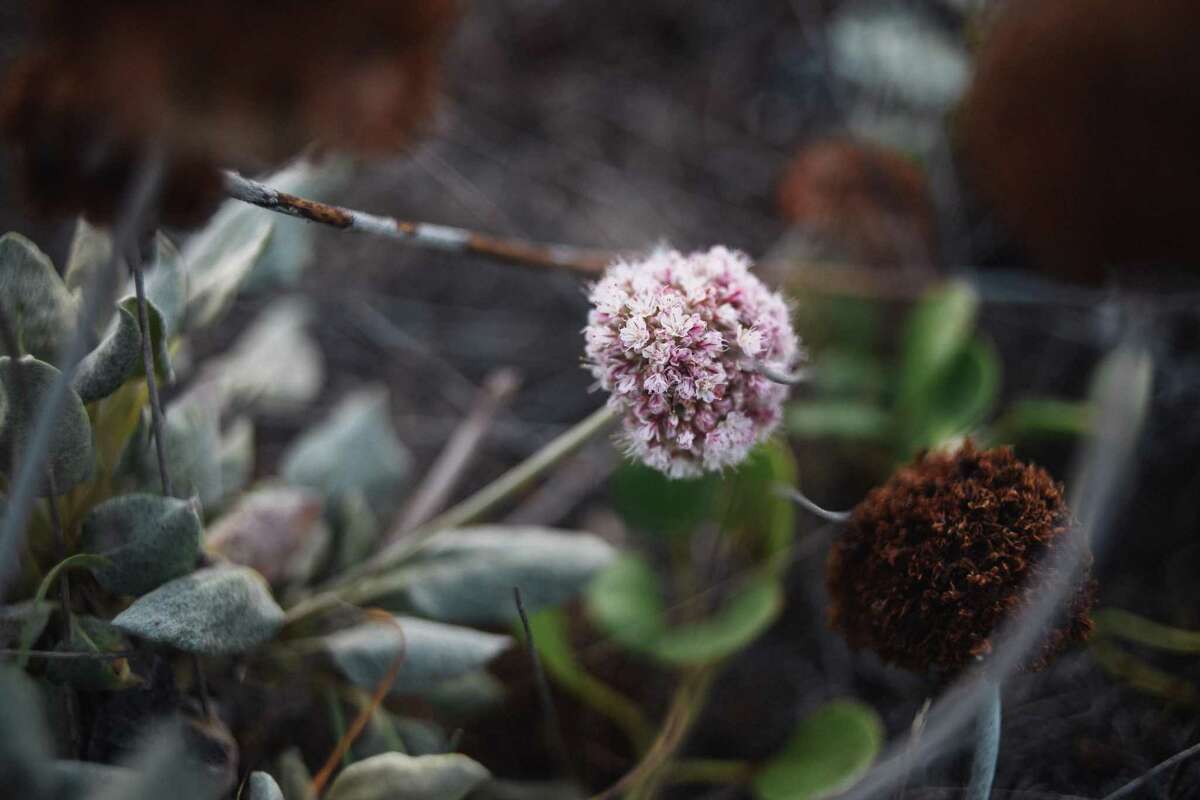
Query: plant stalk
[{"x": 987, "y": 744}]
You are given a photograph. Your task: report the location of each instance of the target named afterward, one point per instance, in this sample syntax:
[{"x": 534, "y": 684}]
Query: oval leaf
[
  {"x": 626, "y": 602},
  {"x": 935, "y": 332},
  {"x": 262, "y": 786},
  {"x": 114, "y": 360},
  {"x": 34, "y": 299},
  {"x": 468, "y": 575},
  {"x": 827, "y": 754},
  {"x": 220, "y": 256},
  {"x": 148, "y": 539},
  {"x": 354, "y": 448},
  {"x": 740, "y": 621},
  {"x": 653, "y": 503},
  {"x": 70, "y": 450},
  {"x": 432, "y": 652},
  {"x": 395, "y": 776},
  {"x": 214, "y": 611}
]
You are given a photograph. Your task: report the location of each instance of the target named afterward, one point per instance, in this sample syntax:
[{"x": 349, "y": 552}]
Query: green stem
[
  {"x": 987, "y": 745},
  {"x": 378, "y": 577},
  {"x": 88, "y": 560}
]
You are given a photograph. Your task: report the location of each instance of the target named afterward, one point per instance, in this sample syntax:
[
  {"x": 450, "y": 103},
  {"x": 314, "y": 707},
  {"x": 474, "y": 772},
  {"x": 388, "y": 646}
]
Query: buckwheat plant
[{"x": 684, "y": 344}]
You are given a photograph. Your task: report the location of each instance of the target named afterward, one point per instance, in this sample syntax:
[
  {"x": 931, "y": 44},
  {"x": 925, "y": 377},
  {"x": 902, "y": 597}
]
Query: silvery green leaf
[
  {"x": 91, "y": 250},
  {"x": 261, "y": 786},
  {"x": 167, "y": 284},
  {"x": 395, "y": 776},
  {"x": 355, "y": 527},
  {"x": 70, "y": 453},
  {"x": 290, "y": 251},
  {"x": 468, "y": 575},
  {"x": 112, "y": 362},
  {"x": 148, "y": 539},
  {"x": 355, "y": 447},
  {"x": 158, "y": 339},
  {"x": 270, "y": 529},
  {"x": 219, "y": 257},
  {"x": 236, "y": 455},
  {"x": 274, "y": 366},
  {"x": 466, "y": 695},
  {"x": 34, "y": 299},
  {"x": 24, "y": 739},
  {"x": 432, "y": 652},
  {"x": 214, "y": 611},
  {"x": 15, "y": 618},
  {"x": 193, "y": 446}
]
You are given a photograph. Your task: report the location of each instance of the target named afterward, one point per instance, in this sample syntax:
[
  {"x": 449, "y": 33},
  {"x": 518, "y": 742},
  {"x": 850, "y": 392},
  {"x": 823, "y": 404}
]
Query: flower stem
[
  {"x": 987, "y": 744},
  {"x": 421, "y": 234},
  {"x": 371, "y": 579}
]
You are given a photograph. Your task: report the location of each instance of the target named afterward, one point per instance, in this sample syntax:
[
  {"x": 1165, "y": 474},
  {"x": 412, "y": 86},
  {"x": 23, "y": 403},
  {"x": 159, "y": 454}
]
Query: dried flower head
[
  {"x": 949, "y": 549},
  {"x": 678, "y": 340}
]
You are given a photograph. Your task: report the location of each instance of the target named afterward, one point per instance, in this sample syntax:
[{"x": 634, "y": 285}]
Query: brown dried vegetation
[{"x": 950, "y": 548}]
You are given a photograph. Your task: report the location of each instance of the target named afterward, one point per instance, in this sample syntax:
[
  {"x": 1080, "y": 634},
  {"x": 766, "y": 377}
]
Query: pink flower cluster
[{"x": 678, "y": 340}]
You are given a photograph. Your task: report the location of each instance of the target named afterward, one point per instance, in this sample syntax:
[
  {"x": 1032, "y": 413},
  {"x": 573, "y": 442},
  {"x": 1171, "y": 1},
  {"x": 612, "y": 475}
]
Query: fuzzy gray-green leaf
[
  {"x": 432, "y": 652},
  {"x": 34, "y": 299},
  {"x": 354, "y": 448},
  {"x": 102, "y": 371},
  {"x": 214, "y": 611},
  {"x": 261, "y": 786},
  {"x": 468, "y": 575},
  {"x": 395, "y": 776},
  {"x": 149, "y": 539},
  {"x": 69, "y": 455}
]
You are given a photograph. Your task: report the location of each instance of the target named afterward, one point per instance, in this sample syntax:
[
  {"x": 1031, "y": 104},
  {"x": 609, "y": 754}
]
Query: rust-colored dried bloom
[
  {"x": 218, "y": 82},
  {"x": 950, "y": 548}
]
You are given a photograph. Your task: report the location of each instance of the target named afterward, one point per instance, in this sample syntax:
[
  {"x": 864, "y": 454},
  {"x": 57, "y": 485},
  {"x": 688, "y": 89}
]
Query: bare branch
[{"x": 420, "y": 234}]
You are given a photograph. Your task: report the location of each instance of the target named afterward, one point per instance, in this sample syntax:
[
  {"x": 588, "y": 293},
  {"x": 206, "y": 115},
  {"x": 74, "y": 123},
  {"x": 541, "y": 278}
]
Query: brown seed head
[{"x": 949, "y": 549}]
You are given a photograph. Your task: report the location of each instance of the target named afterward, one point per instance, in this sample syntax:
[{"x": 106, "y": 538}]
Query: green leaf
[
  {"x": 90, "y": 634},
  {"x": 213, "y": 611},
  {"x": 167, "y": 284},
  {"x": 550, "y": 635},
  {"x": 158, "y": 340},
  {"x": 466, "y": 696},
  {"x": 1126, "y": 625},
  {"x": 148, "y": 539},
  {"x": 69, "y": 455},
  {"x": 432, "y": 652},
  {"x": 395, "y": 776},
  {"x": 274, "y": 530},
  {"x": 747, "y": 613},
  {"x": 956, "y": 400},
  {"x": 849, "y": 373},
  {"x": 828, "y": 753},
  {"x": 28, "y": 635},
  {"x": 275, "y": 366},
  {"x": 354, "y": 448},
  {"x": 935, "y": 332},
  {"x": 193, "y": 447},
  {"x": 261, "y": 786},
  {"x": 468, "y": 575},
  {"x": 34, "y": 299},
  {"x": 220, "y": 257},
  {"x": 24, "y": 738},
  {"x": 91, "y": 251},
  {"x": 653, "y": 503},
  {"x": 753, "y": 507},
  {"x": 840, "y": 419},
  {"x": 236, "y": 456},
  {"x": 112, "y": 362},
  {"x": 626, "y": 602},
  {"x": 1037, "y": 418}
]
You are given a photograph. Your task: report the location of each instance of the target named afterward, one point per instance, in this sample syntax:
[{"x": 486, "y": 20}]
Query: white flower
[{"x": 658, "y": 337}]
